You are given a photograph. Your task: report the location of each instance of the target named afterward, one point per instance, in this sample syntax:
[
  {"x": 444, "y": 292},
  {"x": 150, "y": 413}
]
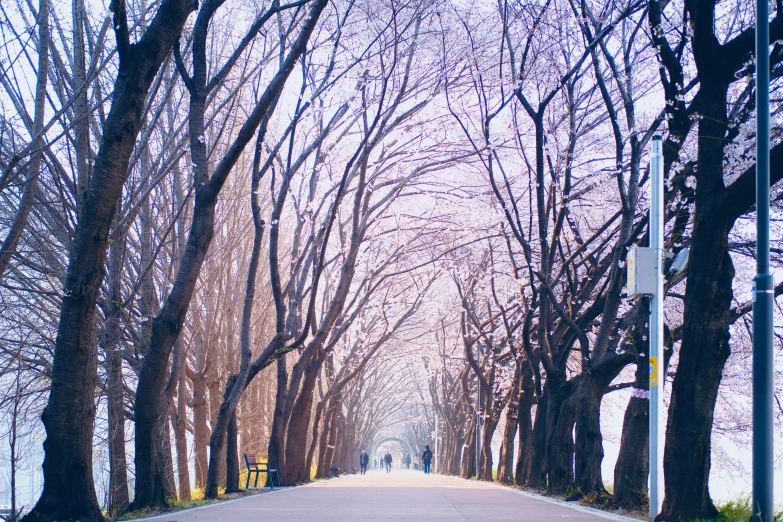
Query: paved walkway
[{"x": 399, "y": 495}]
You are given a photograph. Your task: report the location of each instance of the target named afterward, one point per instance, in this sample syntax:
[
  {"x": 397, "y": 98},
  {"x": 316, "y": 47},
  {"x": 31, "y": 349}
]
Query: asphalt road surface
[{"x": 399, "y": 495}]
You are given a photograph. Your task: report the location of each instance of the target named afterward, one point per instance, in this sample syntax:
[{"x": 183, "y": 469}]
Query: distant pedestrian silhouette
[
  {"x": 364, "y": 459},
  {"x": 426, "y": 458},
  {"x": 388, "y": 460}
]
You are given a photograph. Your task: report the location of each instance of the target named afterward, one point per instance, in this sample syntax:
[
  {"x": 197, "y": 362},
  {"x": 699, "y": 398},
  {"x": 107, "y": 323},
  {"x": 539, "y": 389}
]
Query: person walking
[
  {"x": 407, "y": 461},
  {"x": 416, "y": 463},
  {"x": 426, "y": 458},
  {"x": 388, "y": 460},
  {"x": 364, "y": 459}
]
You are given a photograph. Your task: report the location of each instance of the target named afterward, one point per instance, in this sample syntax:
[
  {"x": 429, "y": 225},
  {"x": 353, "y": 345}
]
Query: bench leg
[
  {"x": 247, "y": 482},
  {"x": 256, "y": 483}
]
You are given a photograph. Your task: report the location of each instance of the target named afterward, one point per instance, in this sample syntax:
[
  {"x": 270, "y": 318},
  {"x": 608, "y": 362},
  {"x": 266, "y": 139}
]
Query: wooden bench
[{"x": 253, "y": 466}]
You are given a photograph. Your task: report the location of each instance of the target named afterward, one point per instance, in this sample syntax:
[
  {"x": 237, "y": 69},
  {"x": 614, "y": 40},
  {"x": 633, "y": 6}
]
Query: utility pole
[
  {"x": 763, "y": 378},
  {"x": 645, "y": 278},
  {"x": 436, "y": 442},
  {"x": 656, "y": 330},
  {"x": 478, "y": 412},
  {"x": 478, "y": 423}
]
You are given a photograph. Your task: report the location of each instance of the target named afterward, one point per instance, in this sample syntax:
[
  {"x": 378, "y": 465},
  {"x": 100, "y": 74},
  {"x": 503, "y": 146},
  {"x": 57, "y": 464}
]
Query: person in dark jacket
[
  {"x": 408, "y": 461},
  {"x": 426, "y": 458},
  {"x": 364, "y": 459},
  {"x": 388, "y": 460}
]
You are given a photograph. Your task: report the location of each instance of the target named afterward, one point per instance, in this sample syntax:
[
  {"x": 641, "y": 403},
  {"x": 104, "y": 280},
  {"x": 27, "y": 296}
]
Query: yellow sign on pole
[{"x": 653, "y": 371}]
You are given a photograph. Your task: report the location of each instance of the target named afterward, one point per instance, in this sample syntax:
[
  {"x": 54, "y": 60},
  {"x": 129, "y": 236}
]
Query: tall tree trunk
[
  {"x": 217, "y": 473},
  {"x": 118, "y": 476},
  {"x": 296, "y": 432},
  {"x": 469, "y": 453},
  {"x": 708, "y": 296},
  {"x": 177, "y": 382},
  {"x": 456, "y": 452},
  {"x": 536, "y": 475},
  {"x": 589, "y": 450},
  {"x": 631, "y": 469},
  {"x": 451, "y": 457},
  {"x": 232, "y": 455},
  {"x": 328, "y": 436},
  {"x": 687, "y": 456},
  {"x": 525, "y": 430},
  {"x": 200, "y": 429},
  {"x": 69, "y": 490},
  {"x": 315, "y": 436},
  {"x": 705, "y": 340},
  {"x": 490, "y": 425},
  {"x": 506, "y": 457},
  {"x": 213, "y": 386},
  {"x": 180, "y": 440},
  {"x": 276, "y": 450},
  {"x": 164, "y": 447},
  {"x": 560, "y": 448}
]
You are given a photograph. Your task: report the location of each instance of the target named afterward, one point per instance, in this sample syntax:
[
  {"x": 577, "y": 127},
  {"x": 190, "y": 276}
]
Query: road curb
[{"x": 571, "y": 505}]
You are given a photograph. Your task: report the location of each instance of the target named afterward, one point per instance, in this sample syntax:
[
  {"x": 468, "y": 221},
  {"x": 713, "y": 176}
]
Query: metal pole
[
  {"x": 656, "y": 332},
  {"x": 763, "y": 379},
  {"x": 436, "y": 443},
  {"x": 478, "y": 419}
]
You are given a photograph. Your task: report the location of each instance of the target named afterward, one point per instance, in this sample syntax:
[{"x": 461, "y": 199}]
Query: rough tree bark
[
  {"x": 630, "y": 472},
  {"x": 296, "y": 432},
  {"x": 276, "y": 449},
  {"x": 469, "y": 453},
  {"x": 178, "y": 422},
  {"x": 535, "y": 474},
  {"x": 200, "y": 408},
  {"x": 588, "y": 448},
  {"x": 118, "y": 474},
  {"x": 506, "y": 458},
  {"x": 705, "y": 341},
  {"x": 525, "y": 430},
  {"x": 232, "y": 455},
  {"x": 69, "y": 491}
]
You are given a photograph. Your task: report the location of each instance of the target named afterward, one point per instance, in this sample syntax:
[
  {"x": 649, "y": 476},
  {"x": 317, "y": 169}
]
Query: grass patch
[
  {"x": 599, "y": 500},
  {"x": 173, "y": 504},
  {"x": 738, "y": 510},
  {"x": 180, "y": 504},
  {"x": 197, "y": 500}
]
